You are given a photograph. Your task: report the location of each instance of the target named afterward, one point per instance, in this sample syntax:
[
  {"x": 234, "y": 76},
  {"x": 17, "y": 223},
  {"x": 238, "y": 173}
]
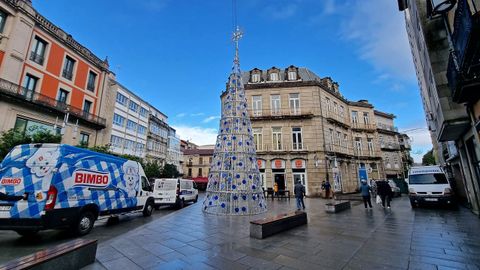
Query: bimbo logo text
[
  {"x": 11, "y": 181},
  {"x": 91, "y": 178}
]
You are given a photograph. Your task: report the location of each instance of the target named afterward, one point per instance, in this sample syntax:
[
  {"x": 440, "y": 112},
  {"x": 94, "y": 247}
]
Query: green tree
[
  {"x": 45, "y": 136},
  {"x": 169, "y": 171},
  {"x": 152, "y": 169},
  {"x": 428, "y": 158},
  {"x": 10, "y": 139}
]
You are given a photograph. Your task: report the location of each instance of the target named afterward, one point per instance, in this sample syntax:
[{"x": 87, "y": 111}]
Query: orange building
[{"x": 47, "y": 79}]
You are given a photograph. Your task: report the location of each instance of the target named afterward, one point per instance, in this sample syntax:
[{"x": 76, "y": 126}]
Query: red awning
[{"x": 200, "y": 179}]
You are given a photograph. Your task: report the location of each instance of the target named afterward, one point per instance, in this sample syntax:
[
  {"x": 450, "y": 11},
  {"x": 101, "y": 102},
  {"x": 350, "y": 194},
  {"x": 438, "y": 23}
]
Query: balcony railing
[
  {"x": 341, "y": 119},
  {"x": 463, "y": 71},
  {"x": 389, "y": 146},
  {"x": 19, "y": 92},
  {"x": 387, "y": 127},
  {"x": 365, "y": 152},
  {"x": 284, "y": 148},
  {"x": 363, "y": 126},
  {"x": 280, "y": 113},
  {"x": 37, "y": 58},
  {"x": 336, "y": 148}
]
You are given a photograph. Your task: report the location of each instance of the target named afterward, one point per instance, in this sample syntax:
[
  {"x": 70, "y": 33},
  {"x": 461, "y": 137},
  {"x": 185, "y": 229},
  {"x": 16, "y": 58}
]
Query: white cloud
[
  {"x": 210, "y": 118},
  {"x": 378, "y": 28},
  {"x": 197, "y": 114},
  {"x": 421, "y": 143},
  {"x": 181, "y": 114},
  {"x": 197, "y": 135},
  {"x": 281, "y": 12}
]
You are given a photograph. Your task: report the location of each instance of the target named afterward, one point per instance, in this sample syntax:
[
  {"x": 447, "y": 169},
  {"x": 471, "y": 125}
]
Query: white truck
[
  {"x": 55, "y": 186},
  {"x": 429, "y": 185},
  {"x": 174, "y": 192}
]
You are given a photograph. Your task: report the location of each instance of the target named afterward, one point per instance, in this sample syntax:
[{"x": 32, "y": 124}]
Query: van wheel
[
  {"x": 196, "y": 199},
  {"x": 84, "y": 223},
  {"x": 27, "y": 233},
  {"x": 414, "y": 205},
  {"x": 148, "y": 209}
]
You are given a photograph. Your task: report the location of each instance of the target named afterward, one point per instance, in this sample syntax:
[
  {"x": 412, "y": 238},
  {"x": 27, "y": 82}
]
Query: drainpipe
[{"x": 101, "y": 102}]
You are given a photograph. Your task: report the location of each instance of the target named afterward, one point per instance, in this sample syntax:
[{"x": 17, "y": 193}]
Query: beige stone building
[
  {"x": 196, "y": 164},
  {"x": 389, "y": 140},
  {"x": 47, "y": 79},
  {"x": 304, "y": 129}
]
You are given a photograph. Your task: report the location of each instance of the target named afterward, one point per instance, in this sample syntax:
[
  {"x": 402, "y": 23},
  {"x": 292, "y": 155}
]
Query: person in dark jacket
[
  {"x": 299, "y": 191},
  {"x": 327, "y": 187},
  {"x": 385, "y": 192},
  {"x": 365, "y": 191}
]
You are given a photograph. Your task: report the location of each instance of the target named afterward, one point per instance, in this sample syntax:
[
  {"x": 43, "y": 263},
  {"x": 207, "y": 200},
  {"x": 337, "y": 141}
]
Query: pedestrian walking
[
  {"x": 373, "y": 186},
  {"x": 275, "y": 189},
  {"x": 365, "y": 191},
  {"x": 385, "y": 192},
  {"x": 299, "y": 192},
  {"x": 327, "y": 187}
]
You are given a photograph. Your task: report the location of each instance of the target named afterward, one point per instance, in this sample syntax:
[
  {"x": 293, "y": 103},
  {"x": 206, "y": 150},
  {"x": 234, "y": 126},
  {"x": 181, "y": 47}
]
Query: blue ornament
[
  {"x": 235, "y": 197},
  {"x": 244, "y": 209},
  {"x": 215, "y": 198},
  {"x": 244, "y": 181},
  {"x": 234, "y": 186},
  {"x": 254, "y": 187},
  {"x": 244, "y": 197},
  {"x": 223, "y": 205},
  {"x": 236, "y": 209},
  {"x": 238, "y": 176}
]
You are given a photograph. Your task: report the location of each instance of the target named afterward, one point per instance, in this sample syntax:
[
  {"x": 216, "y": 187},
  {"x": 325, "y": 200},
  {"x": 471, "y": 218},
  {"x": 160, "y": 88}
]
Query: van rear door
[
  {"x": 165, "y": 191},
  {"x": 27, "y": 171}
]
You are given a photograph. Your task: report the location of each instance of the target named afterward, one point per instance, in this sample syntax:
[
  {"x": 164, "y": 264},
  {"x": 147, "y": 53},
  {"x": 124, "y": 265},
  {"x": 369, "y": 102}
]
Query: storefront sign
[
  {"x": 261, "y": 163},
  {"x": 298, "y": 164},
  {"x": 278, "y": 164}
]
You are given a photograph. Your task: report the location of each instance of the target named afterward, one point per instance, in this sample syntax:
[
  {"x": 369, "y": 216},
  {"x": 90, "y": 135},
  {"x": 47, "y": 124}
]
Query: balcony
[
  {"x": 22, "y": 94},
  {"x": 463, "y": 72},
  {"x": 390, "y": 146},
  {"x": 366, "y": 153},
  {"x": 67, "y": 74},
  {"x": 387, "y": 128},
  {"x": 280, "y": 114},
  {"x": 338, "y": 149},
  {"x": 338, "y": 119},
  {"x": 37, "y": 58},
  {"x": 268, "y": 148},
  {"x": 363, "y": 127}
]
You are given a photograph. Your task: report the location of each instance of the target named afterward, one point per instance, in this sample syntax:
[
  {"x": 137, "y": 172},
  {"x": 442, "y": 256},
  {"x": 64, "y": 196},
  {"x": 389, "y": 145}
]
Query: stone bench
[
  {"x": 71, "y": 255},
  {"x": 266, "y": 227},
  {"x": 337, "y": 206}
]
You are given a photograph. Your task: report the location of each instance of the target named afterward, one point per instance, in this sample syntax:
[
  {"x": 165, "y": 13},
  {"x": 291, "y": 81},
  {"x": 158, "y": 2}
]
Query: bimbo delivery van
[
  {"x": 175, "y": 192},
  {"x": 429, "y": 185},
  {"x": 49, "y": 186}
]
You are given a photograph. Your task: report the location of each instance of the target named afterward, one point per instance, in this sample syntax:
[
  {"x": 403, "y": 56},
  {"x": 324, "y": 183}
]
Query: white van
[
  {"x": 57, "y": 186},
  {"x": 429, "y": 185},
  {"x": 174, "y": 191}
]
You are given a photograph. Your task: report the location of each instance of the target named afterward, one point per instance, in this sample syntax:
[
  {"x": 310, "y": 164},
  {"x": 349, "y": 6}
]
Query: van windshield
[{"x": 436, "y": 178}]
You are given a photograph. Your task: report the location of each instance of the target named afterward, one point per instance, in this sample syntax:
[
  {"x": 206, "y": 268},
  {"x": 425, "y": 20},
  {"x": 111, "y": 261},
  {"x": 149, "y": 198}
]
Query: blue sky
[{"x": 177, "y": 54}]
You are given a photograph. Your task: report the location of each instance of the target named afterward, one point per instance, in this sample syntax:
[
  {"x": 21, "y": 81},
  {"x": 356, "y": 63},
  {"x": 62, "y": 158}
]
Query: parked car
[
  {"x": 395, "y": 189},
  {"x": 174, "y": 192},
  {"x": 429, "y": 185},
  {"x": 56, "y": 186}
]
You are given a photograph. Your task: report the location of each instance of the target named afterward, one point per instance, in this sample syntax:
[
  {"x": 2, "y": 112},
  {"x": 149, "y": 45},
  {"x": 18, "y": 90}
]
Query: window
[
  {"x": 129, "y": 144},
  {"x": 258, "y": 138},
  {"x": 142, "y": 129},
  {"x": 257, "y": 105},
  {"x": 210, "y": 160},
  {"x": 358, "y": 145},
  {"x": 133, "y": 106},
  {"x": 256, "y": 77},
  {"x": 122, "y": 99},
  {"x": 87, "y": 106},
  {"x": 274, "y": 76},
  {"x": 189, "y": 172},
  {"x": 332, "y": 139},
  {"x": 294, "y": 104},
  {"x": 297, "y": 138},
  {"x": 84, "y": 137},
  {"x": 292, "y": 75},
  {"x": 335, "y": 109},
  {"x": 116, "y": 141},
  {"x": 370, "y": 146},
  {"x": 345, "y": 139},
  {"x": 338, "y": 139},
  {"x": 30, "y": 127},
  {"x": 327, "y": 102},
  {"x": 365, "y": 118},
  {"x": 63, "y": 96},
  {"x": 341, "y": 111},
  {"x": 131, "y": 125},
  {"x": 146, "y": 185},
  {"x": 277, "y": 138},
  {"x": 200, "y": 172},
  {"x": 92, "y": 78},
  {"x": 143, "y": 112},
  {"x": 354, "y": 117},
  {"x": 38, "y": 51},
  {"x": 30, "y": 82},
  {"x": 3, "y": 18},
  {"x": 118, "y": 120},
  {"x": 275, "y": 103},
  {"x": 67, "y": 72},
  {"x": 200, "y": 160}
]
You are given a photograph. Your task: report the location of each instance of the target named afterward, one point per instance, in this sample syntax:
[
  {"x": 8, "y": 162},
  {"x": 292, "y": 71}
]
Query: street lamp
[{"x": 439, "y": 7}]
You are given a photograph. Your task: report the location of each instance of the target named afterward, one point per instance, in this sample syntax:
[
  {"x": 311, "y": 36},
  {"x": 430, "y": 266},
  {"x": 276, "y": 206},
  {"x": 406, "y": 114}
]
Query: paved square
[{"x": 400, "y": 238}]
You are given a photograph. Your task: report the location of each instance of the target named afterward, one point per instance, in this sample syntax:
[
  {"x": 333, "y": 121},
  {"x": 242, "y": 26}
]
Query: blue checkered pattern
[{"x": 71, "y": 159}]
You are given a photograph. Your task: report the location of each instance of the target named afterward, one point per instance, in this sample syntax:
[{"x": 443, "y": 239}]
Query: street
[{"x": 14, "y": 246}]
